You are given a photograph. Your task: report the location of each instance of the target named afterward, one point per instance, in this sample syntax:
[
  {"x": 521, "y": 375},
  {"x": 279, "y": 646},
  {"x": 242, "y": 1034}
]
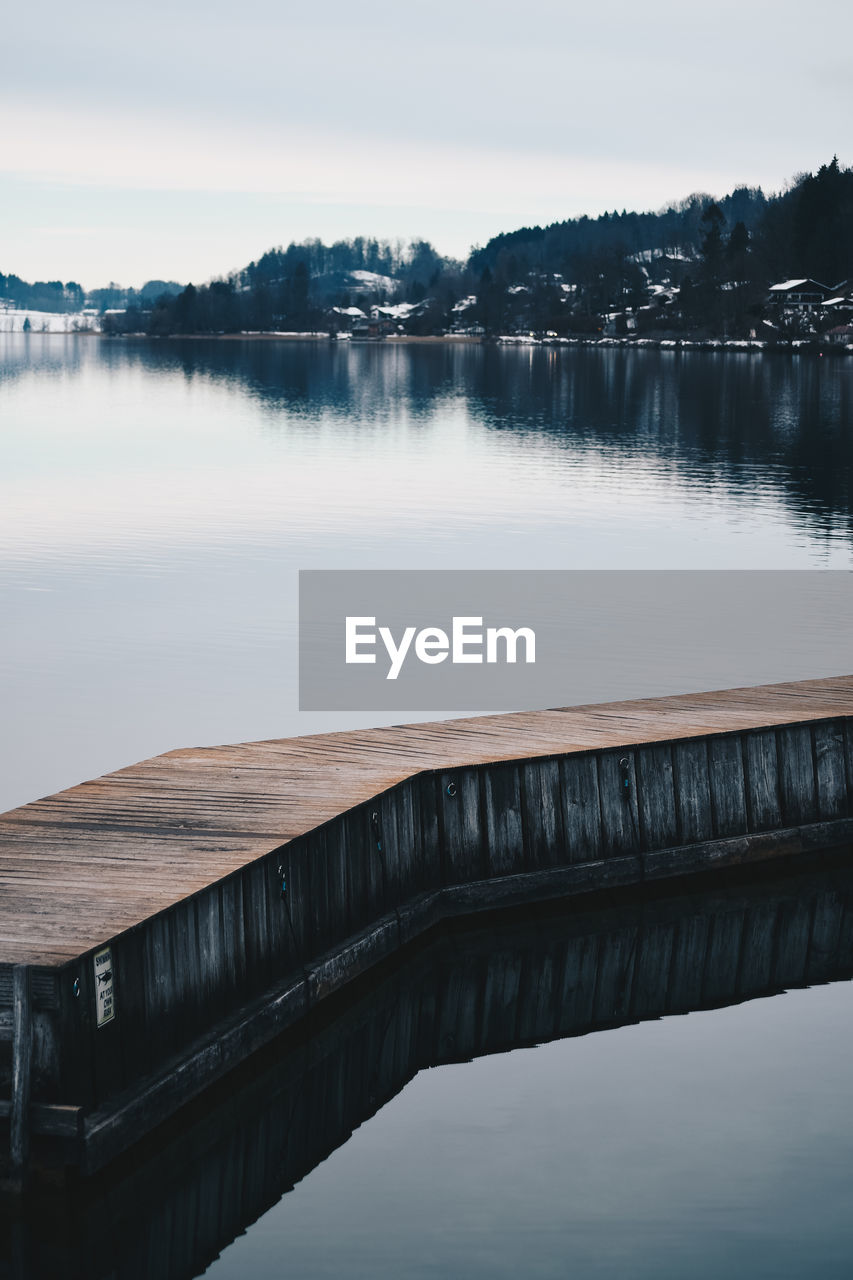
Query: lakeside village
[
  {"x": 797, "y": 314},
  {"x": 747, "y": 270}
]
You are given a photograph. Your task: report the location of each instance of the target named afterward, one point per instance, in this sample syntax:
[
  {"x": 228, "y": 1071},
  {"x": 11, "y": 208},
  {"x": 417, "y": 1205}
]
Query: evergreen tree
[
  {"x": 712, "y": 223},
  {"x": 737, "y": 246},
  {"x": 187, "y": 311}
]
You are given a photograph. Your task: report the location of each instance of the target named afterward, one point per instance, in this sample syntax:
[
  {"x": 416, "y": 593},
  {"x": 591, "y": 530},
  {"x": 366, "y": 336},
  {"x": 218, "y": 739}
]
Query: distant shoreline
[
  {"x": 393, "y": 339},
  {"x": 742, "y": 345}
]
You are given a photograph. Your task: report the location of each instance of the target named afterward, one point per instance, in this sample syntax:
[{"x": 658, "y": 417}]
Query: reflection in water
[
  {"x": 158, "y": 498},
  {"x": 734, "y": 418},
  {"x": 738, "y": 419},
  {"x": 174, "y": 1204}
]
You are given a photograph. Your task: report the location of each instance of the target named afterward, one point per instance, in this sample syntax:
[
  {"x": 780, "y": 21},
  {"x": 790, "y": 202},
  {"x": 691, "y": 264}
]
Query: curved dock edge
[
  {"x": 93, "y": 1140},
  {"x": 191, "y": 991}
]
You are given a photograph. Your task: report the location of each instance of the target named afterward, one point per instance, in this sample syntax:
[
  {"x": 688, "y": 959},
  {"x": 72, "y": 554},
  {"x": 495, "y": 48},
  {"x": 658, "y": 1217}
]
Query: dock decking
[{"x": 81, "y": 866}]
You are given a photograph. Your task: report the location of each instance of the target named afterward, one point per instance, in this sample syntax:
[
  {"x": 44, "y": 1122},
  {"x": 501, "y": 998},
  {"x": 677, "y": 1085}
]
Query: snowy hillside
[{"x": 14, "y": 321}]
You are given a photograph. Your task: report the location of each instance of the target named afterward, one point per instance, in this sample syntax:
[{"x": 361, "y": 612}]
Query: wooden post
[{"x": 22, "y": 1042}]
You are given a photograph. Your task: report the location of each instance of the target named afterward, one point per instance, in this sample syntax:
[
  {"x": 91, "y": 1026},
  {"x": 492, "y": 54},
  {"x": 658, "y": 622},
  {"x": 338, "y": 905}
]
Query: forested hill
[
  {"x": 805, "y": 231},
  {"x": 566, "y": 246},
  {"x": 56, "y": 296},
  {"x": 358, "y": 262},
  {"x": 703, "y": 264}
]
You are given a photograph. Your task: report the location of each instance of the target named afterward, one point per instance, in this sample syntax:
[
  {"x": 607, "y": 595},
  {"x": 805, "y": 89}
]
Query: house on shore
[
  {"x": 799, "y": 296},
  {"x": 373, "y": 327},
  {"x": 838, "y": 310},
  {"x": 343, "y": 319}
]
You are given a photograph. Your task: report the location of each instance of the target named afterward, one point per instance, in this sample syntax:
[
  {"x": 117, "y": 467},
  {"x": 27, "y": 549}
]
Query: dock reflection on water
[{"x": 175, "y": 1201}]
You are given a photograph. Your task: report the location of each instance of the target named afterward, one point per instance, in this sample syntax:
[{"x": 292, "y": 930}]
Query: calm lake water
[{"x": 156, "y": 502}]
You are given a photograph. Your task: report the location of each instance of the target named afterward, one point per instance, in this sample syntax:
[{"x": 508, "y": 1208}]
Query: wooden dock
[{"x": 161, "y": 922}]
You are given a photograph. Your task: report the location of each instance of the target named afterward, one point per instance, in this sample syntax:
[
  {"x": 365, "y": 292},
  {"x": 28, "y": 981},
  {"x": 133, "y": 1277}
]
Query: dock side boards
[{"x": 324, "y": 907}]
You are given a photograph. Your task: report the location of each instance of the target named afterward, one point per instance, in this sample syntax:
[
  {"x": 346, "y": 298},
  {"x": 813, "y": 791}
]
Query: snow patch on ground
[
  {"x": 657, "y": 255},
  {"x": 396, "y": 311},
  {"x": 374, "y": 281},
  {"x": 12, "y": 321}
]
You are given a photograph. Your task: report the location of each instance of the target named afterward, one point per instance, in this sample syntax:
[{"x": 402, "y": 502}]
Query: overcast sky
[{"x": 180, "y": 139}]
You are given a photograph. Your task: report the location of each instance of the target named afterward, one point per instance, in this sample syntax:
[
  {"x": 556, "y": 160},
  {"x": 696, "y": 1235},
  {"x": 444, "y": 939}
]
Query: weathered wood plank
[
  {"x": 432, "y": 854},
  {"x": 356, "y": 844},
  {"x": 618, "y": 794},
  {"x": 185, "y": 1008},
  {"x": 581, "y": 808},
  {"x": 315, "y": 906},
  {"x": 287, "y": 913},
  {"x": 22, "y": 1047},
  {"x": 234, "y": 946},
  {"x": 376, "y": 864},
  {"x": 542, "y": 814},
  {"x": 461, "y": 828},
  {"x": 389, "y": 813},
  {"x": 209, "y": 927},
  {"x": 848, "y": 756},
  {"x": 337, "y": 904},
  {"x": 76, "y": 1000},
  {"x": 692, "y": 792},
  {"x": 156, "y": 985},
  {"x": 762, "y": 781},
  {"x": 830, "y": 771},
  {"x": 108, "y": 1059},
  {"x": 797, "y": 775},
  {"x": 128, "y": 958},
  {"x": 253, "y": 923},
  {"x": 504, "y": 832},
  {"x": 409, "y": 849},
  {"x": 656, "y": 797},
  {"x": 728, "y": 796}
]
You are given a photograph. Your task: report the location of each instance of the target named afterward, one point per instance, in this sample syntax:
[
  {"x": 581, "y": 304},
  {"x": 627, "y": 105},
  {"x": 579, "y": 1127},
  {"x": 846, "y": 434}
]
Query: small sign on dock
[{"x": 104, "y": 986}]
